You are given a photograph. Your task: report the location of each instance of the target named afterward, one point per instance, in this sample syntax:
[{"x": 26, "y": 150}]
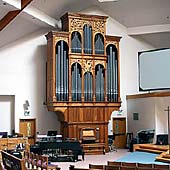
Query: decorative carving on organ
[
  {"x": 83, "y": 74},
  {"x": 87, "y": 65}
]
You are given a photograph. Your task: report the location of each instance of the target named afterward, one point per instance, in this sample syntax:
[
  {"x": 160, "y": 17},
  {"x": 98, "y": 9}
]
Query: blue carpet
[{"x": 141, "y": 157}]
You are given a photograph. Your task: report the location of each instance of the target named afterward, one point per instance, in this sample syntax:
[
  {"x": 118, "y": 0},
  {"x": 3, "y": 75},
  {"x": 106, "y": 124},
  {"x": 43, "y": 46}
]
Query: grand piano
[{"x": 58, "y": 149}]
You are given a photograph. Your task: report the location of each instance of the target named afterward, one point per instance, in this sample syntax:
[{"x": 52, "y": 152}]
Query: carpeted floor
[
  {"x": 121, "y": 155},
  {"x": 141, "y": 157},
  {"x": 94, "y": 159}
]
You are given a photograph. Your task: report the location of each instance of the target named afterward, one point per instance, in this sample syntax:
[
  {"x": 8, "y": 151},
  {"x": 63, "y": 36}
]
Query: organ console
[{"x": 83, "y": 75}]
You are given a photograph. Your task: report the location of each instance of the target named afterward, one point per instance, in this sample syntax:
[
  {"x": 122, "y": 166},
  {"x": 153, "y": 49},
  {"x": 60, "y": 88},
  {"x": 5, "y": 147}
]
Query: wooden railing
[{"x": 28, "y": 162}]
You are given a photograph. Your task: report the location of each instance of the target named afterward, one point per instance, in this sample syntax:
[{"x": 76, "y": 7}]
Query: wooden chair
[
  {"x": 114, "y": 163},
  {"x": 46, "y": 165},
  {"x": 161, "y": 166},
  {"x": 112, "y": 167},
  {"x": 129, "y": 166},
  {"x": 28, "y": 158},
  {"x": 93, "y": 166},
  {"x": 35, "y": 158},
  {"x": 2, "y": 166},
  {"x": 73, "y": 168},
  {"x": 142, "y": 166}
]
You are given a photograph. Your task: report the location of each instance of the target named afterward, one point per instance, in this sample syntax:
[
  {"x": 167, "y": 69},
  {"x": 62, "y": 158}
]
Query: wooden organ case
[{"x": 83, "y": 75}]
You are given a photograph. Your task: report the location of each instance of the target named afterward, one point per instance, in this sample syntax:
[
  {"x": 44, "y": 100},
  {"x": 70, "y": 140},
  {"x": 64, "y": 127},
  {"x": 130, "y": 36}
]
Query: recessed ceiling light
[{"x": 107, "y": 0}]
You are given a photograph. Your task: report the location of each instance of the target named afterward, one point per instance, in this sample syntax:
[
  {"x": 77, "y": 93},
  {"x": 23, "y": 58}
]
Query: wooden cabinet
[
  {"x": 95, "y": 148},
  {"x": 83, "y": 75},
  {"x": 10, "y": 143},
  {"x": 3, "y": 143},
  {"x": 28, "y": 129}
]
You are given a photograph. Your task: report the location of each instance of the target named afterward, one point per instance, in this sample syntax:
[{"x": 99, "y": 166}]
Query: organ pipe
[
  {"x": 61, "y": 71},
  {"x": 99, "y": 83},
  {"x": 99, "y": 44},
  {"x": 76, "y": 42},
  {"x": 112, "y": 80},
  {"x": 87, "y": 39},
  {"x": 76, "y": 82},
  {"x": 58, "y": 74}
]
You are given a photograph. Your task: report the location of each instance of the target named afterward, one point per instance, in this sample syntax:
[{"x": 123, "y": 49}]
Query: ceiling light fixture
[{"x": 107, "y": 0}]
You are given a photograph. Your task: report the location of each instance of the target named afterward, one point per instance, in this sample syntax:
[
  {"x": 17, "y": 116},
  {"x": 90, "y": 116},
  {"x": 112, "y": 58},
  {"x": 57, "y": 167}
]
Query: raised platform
[
  {"x": 150, "y": 148},
  {"x": 163, "y": 150}
]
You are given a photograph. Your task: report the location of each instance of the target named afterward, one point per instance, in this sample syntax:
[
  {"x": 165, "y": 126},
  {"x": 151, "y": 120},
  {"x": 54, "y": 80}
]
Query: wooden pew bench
[{"x": 11, "y": 162}]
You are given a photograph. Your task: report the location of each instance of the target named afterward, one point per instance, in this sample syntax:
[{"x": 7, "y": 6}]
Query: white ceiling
[{"x": 147, "y": 19}]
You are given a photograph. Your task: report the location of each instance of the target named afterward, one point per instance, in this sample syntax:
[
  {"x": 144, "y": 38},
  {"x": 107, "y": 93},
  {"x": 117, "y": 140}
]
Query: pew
[
  {"x": 95, "y": 166},
  {"x": 11, "y": 162},
  {"x": 73, "y": 168},
  {"x": 35, "y": 161}
]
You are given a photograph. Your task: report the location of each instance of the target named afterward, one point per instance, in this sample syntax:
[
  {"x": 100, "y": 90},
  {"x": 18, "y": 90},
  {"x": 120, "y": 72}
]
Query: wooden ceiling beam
[
  {"x": 8, "y": 18},
  {"x": 12, "y": 14},
  {"x": 25, "y": 3}
]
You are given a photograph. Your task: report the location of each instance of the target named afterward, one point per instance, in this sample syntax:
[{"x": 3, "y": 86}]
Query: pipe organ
[{"x": 83, "y": 75}]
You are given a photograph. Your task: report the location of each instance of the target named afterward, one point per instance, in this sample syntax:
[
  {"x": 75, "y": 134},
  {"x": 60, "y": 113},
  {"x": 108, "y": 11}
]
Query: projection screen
[{"x": 154, "y": 69}]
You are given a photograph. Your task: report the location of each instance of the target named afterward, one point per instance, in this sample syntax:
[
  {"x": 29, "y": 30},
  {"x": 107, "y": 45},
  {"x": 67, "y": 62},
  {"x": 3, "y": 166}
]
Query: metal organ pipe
[
  {"x": 99, "y": 44},
  {"x": 85, "y": 86},
  {"x": 112, "y": 74},
  {"x": 116, "y": 80},
  {"x": 76, "y": 82},
  {"x": 99, "y": 83},
  {"x": 61, "y": 71},
  {"x": 76, "y": 42},
  {"x": 87, "y": 39},
  {"x": 67, "y": 80},
  {"x": 76, "y": 77},
  {"x": 91, "y": 90},
  {"x": 90, "y": 40},
  {"x": 72, "y": 83}
]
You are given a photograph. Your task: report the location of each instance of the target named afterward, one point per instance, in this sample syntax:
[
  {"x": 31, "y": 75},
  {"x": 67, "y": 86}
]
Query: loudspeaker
[{"x": 162, "y": 139}]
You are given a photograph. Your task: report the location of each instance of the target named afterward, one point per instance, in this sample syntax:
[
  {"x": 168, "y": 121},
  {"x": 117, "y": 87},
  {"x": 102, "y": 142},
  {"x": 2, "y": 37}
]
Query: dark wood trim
[
  {"x": 25, "y": 3},
  {"x": 9, "y": 17},
  {"x": 146, "y": 95}
]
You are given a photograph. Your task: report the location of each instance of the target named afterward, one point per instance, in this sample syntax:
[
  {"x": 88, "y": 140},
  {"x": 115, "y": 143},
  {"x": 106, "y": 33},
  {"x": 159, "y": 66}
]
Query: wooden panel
[
  {"x": 3, "y": 143},
  {"x": 10, "y": 143},
  {"x": 28, "y": 129},
  {"x": 119, "y": 130}
]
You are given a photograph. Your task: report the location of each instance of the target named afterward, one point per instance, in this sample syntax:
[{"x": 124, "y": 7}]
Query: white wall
[
  {"x": 7, "y": 123},
  {"x": 145, "y": 107},
  {"x": 161, "y": 116},
  {"x": 22, "y": 72},
  {"x": 152, "y": 114}
]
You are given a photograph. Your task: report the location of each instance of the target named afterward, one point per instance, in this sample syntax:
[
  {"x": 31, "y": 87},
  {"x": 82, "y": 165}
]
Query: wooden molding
[{"x": 146, "y": 95}]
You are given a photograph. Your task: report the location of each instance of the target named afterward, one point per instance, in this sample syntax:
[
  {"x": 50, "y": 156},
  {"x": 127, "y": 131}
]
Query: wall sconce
[{"x": 26, "y": 106}]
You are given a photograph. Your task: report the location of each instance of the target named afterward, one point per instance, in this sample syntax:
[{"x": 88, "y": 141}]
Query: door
[
  {"x": 119, "y": 130},
  {"x": 28, "y": 129}
]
